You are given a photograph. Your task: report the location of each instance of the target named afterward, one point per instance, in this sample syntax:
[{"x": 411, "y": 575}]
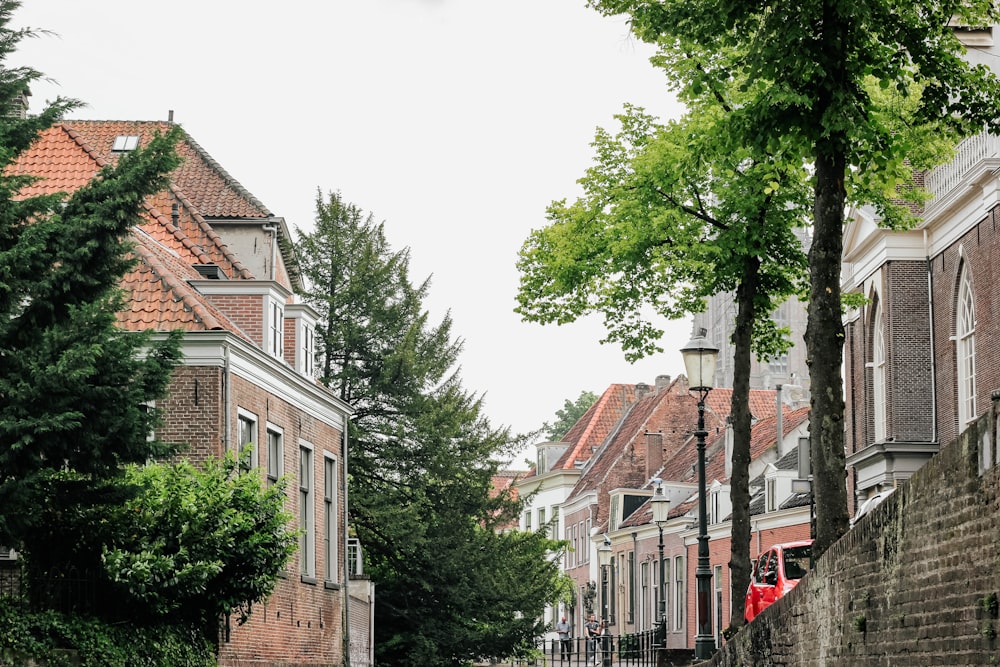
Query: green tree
[
  {"x": 811, "y": 70},
  {"x": 568, "y": 415},
  {"x": 74, "y": 388},
  {"x": 672, "y": 214},
  {"x": 422, "y": 457},
  {"x": 196, "y": 542}
]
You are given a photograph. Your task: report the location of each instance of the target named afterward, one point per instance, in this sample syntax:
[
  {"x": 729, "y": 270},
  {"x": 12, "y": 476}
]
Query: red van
[{"x": 774, "y": 573}]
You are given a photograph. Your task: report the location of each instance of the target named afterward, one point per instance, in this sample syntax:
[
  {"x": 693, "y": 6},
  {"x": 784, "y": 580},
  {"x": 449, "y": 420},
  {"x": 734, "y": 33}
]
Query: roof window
[{"x": 125, "y": 142}]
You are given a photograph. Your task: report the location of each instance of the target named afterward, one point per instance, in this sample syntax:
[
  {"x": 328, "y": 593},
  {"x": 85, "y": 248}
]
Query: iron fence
[{"x": 631, "y": 650}]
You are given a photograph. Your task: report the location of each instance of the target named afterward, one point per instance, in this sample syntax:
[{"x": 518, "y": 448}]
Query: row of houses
[
  {"x": 594, "y": 486},
  {"x": 216, "y": 263}
]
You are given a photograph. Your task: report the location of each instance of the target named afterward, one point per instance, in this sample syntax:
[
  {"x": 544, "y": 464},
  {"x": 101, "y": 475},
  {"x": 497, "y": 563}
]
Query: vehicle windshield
[{"x": 796, "y": 561}]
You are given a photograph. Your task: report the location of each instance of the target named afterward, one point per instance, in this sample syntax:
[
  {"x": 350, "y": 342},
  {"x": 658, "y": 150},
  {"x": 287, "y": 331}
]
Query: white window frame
[
  {"x": 247, "y": 417},
  {"x": 679, "y": 602},
  {"x": 331, "y": 490},
  {"x": 276, "y": 328},
  {"x": 275, "y": 455},
  {"x": 965, "y": 350},
  {"x": 307, "y": 364},
  {"x": 878, "y": 374},
  {"x": 307, "y": 512}
]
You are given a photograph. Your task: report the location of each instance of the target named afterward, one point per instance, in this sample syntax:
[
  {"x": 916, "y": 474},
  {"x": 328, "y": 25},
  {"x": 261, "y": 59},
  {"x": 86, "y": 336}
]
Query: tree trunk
[
  {"x": 825, "y": 345},
  {"x": 739, "y": 560}
]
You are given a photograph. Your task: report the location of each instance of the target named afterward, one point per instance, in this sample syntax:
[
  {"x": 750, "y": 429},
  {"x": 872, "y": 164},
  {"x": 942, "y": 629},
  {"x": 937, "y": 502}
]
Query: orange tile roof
[
  {"x": 169, "y": 240},
  {"x": 213, "y": 191},
  {"x": 587, "y": 434}
]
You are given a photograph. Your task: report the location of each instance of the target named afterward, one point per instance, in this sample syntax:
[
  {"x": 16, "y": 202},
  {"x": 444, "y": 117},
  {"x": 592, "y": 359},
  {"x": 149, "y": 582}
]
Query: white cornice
[
  {"x": 242, "y": 287},
  {"x": 209, "y": 348}
]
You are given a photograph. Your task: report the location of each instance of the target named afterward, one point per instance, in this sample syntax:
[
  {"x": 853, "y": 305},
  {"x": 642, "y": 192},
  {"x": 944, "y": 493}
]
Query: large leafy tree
[
  {"x": 811, "y": 69},
  {"x": 74, "y": 388},
  {"x": 422, "y": 458},
  {"x": 672, "y": 214}
]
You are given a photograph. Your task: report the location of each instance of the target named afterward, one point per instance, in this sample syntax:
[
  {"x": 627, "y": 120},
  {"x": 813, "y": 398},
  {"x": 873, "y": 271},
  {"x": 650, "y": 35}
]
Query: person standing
[
  {"x": 593, "y": 635},
  {"x": 565, "y": 648}
]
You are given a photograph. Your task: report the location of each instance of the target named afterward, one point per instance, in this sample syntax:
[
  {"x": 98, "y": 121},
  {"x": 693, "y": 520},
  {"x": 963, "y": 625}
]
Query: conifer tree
[
  {"x": 422, "y": 458},
  {"x": 75, "y": 389}
]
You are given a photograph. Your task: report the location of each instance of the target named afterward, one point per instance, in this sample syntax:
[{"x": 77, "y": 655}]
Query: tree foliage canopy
[
  {"x": 422, "y": 457},
  {"x": 825, "y": 79},
  {"x": 75, "y": 389},
  {"x": 79, "y": 496}
]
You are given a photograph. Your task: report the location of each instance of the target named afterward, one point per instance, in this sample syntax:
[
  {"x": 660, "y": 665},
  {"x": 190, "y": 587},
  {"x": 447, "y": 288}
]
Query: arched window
[
  {"x": 878, "y": 373},
  {"x": 965, "y": 350}
]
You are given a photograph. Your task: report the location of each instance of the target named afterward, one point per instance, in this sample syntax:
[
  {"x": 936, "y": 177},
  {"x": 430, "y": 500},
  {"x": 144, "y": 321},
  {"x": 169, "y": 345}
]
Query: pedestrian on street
[
  {"x": 593, "y": 636},
  {"x": 565, "y": 647}
]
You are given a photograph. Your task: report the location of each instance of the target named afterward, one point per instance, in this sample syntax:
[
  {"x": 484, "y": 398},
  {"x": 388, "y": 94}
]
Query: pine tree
[
  {"x": 75, "y": 389},
  {"x": 422, "y": 458}
]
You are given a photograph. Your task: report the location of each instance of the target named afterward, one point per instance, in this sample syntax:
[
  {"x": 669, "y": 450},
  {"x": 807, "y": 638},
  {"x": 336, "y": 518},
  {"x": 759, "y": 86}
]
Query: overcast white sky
[{"x": 454, "y": 121}]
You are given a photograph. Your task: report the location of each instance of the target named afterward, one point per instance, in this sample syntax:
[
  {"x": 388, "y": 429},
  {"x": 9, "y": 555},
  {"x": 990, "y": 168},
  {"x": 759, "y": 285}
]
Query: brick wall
[
  {"x": 980, "y": 250},
  {"x": 916, "y": 582},
  {"x": 908, "y": 354},
  {"x": 300, "y": 624}
]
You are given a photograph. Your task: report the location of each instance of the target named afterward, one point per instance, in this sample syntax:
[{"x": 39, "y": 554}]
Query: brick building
[
  {"x": 214, "y": 262},
  {"x": 652, "y": 438},
  {"x": 920, "y": 356}
]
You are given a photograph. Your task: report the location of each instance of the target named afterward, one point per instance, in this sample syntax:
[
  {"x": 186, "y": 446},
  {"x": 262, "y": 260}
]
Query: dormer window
[
  {"x": 124, "y": 143},
  {"x": 276, "y": 329}
]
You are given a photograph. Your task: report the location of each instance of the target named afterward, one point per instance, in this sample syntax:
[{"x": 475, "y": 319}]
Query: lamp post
[
  {"x": 604, "y": 558},
  {"x": 699, "y": 362},
  {"x": 661, "y": 508}
]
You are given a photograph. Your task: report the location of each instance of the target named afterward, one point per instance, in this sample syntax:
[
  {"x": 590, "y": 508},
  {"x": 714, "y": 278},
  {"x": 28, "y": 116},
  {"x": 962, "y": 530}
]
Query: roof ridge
[
  {"x": 82, "y": 143},
  {"x": 177, "y": 233},
  {"x": 226, "y": 176},
  {"x": 178, "y": 287},
  {"x": 211, "y": 233}
]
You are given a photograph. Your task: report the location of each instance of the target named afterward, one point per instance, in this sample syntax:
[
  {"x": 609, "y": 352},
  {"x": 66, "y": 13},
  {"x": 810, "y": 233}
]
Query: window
[
  {"x": 630, "y": 593},
  {"x": 679, "y": 602},
  {"x": 527, "y": 520},
  {"x": 246, "y": 437},
  {"x": 771, "y": 500},
  {"x": 307, "y": 537},
  {"x": 718, "y": 605},
  {"x": 541, "y": 518},
  {"x": 878, "y": 374},
  {"x": 965, "y": 350},
  {"x": 308, "y": 350},
  {"x": 124, "y": 143},
  {"x": 330, "y": 517},
  {"x": 276, "y": 329},
  {"x": 275, "y": 454},
  {"x": 644, "y": 596}
]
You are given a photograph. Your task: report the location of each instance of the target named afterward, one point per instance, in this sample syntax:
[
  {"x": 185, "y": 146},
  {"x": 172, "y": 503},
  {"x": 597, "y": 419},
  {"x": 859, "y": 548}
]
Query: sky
[{"x": 456, "y": 122}]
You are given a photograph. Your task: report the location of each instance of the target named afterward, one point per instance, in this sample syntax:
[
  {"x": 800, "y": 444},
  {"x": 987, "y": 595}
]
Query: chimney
[
  {"x": 654, "y": 453},
  {"x": 19, "y": 105},
  {"x": 641, "y": 390},
  {"x": 662, "y": 382},
  {"x": 779, "y": 424}
]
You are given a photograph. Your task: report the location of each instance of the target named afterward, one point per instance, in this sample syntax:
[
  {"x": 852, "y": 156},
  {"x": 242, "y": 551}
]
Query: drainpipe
[
  {"x": 779, "y": 422},
  {"x": 272, "y": 229},
  {"x": 345, "y": 613},
  {"x": 227, "y": 397},
  {"x": 930, "y": 316}
]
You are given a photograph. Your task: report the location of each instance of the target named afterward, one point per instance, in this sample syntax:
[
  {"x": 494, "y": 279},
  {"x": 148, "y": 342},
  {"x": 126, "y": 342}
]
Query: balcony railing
[{"x": 969, "y": 153}]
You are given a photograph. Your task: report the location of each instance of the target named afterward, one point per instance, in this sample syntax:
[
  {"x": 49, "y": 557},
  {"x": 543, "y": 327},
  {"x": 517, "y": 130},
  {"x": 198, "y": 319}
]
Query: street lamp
[
  {"x": 699, "y": 361},
  {"x": 604, "y": 558},
  {"x": 661, "y": 508}
]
